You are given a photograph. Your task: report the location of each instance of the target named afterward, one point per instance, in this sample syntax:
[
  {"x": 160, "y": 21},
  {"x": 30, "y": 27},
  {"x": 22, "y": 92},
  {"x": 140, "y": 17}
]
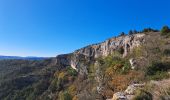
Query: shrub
[
  {"x": 143, "y": 95},
  {"x": 122, "y": 34},
  {"x": 71, "y": 71},
  {"x": 149, "y": 30},
  {"x": 115, "y": 81},
  {"x": 75, "y": 98},
  {"x": 166, "y": 52},
  {"x": 130, "y": 32},
  {"x": 64, "y": 96},
  {"x": 157, "y": 71},
  {"x": 156, "y": 67},
  {"x": 53, "y": 85},
  {"x": 61, "y": 75},
  {"x": 155, "y": 50},
  {"x": 72, "y": 90},
  {"x": 137, "y": 52},
  {"x": 121, "y": 50},
  {"x": 165, "y": 30},
  {"x": 159, "y": 76}
]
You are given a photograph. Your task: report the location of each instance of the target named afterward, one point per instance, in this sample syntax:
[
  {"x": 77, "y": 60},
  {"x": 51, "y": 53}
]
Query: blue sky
[{"x": 52, "y": 27}]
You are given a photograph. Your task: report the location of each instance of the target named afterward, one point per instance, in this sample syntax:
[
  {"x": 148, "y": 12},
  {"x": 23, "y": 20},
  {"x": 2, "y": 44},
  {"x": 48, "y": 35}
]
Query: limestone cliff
[{"x": 126, "y": 43}]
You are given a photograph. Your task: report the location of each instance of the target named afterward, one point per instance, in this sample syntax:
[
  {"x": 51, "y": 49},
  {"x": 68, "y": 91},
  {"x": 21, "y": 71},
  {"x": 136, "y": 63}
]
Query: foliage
[
  {"x": 143, "y": 95},
  {"x": 158, "y": 70},
  {"x": 149, "y": 30},
  {"x": 137, "y": 52},
  {"x": 121, "y": 50},
  {"x": 131, "y": 32},
  {"x": 72, "y": 90},
  {"x": 54, "y": 85},
  {"x": 166, "y": 52},
  {"x": 157, "y": 67},
  {"x": 61, "y": 75},
  {"x": 159, "y": 76},
  {"x": 75, "y": 98},
  {"x": 122, "y": 34},
  {"x": 165, "y": 30},
  {"x": 156, "y": 50},
  {"x": 115, "y": 81},
  {"x": 71, "y": 71},
  {"x": 114, "y": 64},
  {"x": 64, "y": 96}
]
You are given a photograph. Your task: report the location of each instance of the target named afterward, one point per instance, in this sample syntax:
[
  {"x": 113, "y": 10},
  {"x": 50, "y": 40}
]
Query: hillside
[{"x": 106, "y": 70}]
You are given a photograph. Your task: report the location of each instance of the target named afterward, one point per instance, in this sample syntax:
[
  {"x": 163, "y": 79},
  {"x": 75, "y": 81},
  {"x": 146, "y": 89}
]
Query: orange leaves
[{"x": 119, "y": 82}]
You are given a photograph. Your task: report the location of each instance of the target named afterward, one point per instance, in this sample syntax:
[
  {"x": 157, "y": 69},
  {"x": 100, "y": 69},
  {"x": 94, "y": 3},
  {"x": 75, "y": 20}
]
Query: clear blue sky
[{"x": 52, "y": 27}]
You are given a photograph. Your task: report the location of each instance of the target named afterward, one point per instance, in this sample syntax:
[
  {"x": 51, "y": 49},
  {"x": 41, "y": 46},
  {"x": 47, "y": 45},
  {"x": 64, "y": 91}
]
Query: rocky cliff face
[{"x": 126, "y": 43}]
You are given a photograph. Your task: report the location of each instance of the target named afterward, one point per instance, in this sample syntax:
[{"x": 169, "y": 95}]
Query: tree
[
  {"x": 135, "y": 32},
  {"x": 165, "y": 30},
  {"x": 122, "y": 34},
  {"x": 130, "y": 32},
  {"x": 149, "y": 30}
]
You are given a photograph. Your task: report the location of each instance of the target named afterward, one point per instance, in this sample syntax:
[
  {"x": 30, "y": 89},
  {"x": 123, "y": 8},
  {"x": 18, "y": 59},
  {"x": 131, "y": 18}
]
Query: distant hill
[{"x": 20, "y": 58}]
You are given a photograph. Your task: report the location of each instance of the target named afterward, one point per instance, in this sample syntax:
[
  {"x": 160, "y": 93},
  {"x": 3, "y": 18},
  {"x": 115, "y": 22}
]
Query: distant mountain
[{"x": 20, "y": 58}]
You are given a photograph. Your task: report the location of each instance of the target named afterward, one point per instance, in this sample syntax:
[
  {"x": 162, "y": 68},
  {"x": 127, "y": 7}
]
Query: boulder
[
  {"x": 132, "y": 63},
  {"x": 119, "y": 96},
  {"x": 131, "y": 89}
]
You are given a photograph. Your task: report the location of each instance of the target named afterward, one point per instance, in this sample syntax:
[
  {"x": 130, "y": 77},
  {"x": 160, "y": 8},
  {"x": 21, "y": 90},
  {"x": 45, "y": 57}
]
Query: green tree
[
  {"x": 122, "y": 34},
  {"x": 165, "y": 30},
  {"x": 130, "y": 32}
]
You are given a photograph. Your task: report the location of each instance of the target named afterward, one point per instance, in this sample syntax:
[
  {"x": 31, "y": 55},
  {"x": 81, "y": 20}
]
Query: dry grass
[{"x": 159, "y": 89}]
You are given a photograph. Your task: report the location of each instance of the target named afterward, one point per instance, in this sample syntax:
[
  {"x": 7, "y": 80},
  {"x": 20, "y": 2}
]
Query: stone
[
  {"x": 119, "y": 96},
  {"x": 132, "y": 63},
  {"x": 81, "y": 57},
  {"x": 131, "y": 89}
]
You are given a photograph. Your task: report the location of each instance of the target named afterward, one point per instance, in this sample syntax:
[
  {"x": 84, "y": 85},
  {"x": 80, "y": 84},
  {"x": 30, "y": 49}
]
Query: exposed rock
[
  {"x": 133, "y": 63},
  {"x": 109, "y": 46},
  {"x": 128, "y": 94},
  {"x": 119, "y": 96},
  {"x": 78, "y": 58},
  {"x": 132, "y": 88},
  {"x": 99, "y": 79},
  {"x": 137, "y": 63},
  {"x": 130, "y": 97}
]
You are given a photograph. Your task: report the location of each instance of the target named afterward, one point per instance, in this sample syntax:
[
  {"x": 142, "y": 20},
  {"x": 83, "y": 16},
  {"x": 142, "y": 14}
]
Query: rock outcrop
[
  {"x": 128, "y": 94},
  {"x": 75, "y": 59},
  {"x": 119, "y": 96}
]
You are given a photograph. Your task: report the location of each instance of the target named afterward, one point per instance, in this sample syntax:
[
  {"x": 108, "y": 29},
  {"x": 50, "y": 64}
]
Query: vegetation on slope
[{"x": 43, "y": 80}]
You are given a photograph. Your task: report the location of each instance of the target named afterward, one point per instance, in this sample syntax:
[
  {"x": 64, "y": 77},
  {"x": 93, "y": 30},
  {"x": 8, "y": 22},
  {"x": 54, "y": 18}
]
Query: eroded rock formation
[{"x": 75, "y": 59}]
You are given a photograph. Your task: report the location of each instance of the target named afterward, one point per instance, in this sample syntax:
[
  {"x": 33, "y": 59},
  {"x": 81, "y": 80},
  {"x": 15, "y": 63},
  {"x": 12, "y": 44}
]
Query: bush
[
  {"x": 166, "y": 52},
  {"x": 157, "y": 70},
  {"x": 119, "y": 82},
  {"x": 149, "y": 30},
  {"x": 72, "y": 90},
  {"x": 64, "y": 96},
  {"x": 165, "y": 30},
  {"x": 156, "y": 67},
  {"x": 53, "y": 85},
  {"x": 71, "y": 71},
  {"x": 130, "y": 32},
  {"x": 121, "y": 50},
  {"x": 122, "y": 34},
  {"x": 143, "y": 95},
  {"x": 159, "y": 76}
]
